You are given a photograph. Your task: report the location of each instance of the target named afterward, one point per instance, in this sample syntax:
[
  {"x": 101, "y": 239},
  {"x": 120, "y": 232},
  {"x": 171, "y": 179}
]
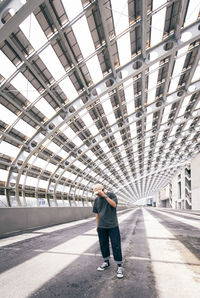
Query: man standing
[{"x": 104, "y": 207}]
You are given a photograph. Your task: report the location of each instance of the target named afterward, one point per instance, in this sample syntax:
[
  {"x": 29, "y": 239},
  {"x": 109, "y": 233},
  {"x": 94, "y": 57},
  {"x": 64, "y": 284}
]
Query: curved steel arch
[{"x": 194, "y": 29}]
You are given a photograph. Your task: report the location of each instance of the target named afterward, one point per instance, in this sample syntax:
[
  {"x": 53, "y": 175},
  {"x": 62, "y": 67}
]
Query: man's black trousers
[{"x": 114, "y": 235}]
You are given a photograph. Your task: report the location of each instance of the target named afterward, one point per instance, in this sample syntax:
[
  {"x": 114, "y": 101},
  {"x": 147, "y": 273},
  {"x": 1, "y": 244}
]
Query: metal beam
[
  {"x": 18, "y": 18},
  {"x": 107, "y": 39},
  {"x": 66, "y": 45},
  {"x": 130, "y": 72}
]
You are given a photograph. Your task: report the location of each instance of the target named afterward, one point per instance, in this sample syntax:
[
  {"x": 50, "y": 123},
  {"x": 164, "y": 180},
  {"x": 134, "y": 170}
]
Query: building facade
[{"x": 183, "y": 191}]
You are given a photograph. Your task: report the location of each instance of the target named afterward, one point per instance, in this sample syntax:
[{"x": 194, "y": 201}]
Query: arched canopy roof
[{"x": 97, "y": 91}]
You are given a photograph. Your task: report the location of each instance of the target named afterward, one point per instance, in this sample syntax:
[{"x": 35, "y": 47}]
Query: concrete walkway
[{"x": 161, "y": 252}]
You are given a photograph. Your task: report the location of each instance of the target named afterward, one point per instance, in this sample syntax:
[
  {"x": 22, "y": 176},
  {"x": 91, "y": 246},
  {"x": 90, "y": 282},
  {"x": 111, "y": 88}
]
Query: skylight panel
[
  {"x": 94, "y": 69},
  {"x": 53, "y": 147},
  {"x": 63, "y": 153},
  {"x": 7, "y": 67},
  {"x": 198, "y": 106},
  {"x": 87, "y": 119},
  {"x": 68, "y": 88},
  {"x": 173, "y": 131},
  {"x": 59, "y": 187},
  {"x": 118, "y": 138},
  {"x": 79, "y": 165},
  {"x": 120, "y": 15},
  {"x": 189, "y": 122},
  {"x": 25, "y": 128},
  {"x": 93, "y": 129},
  {"x": 85, "y": 116},
  {"x": 166, "y": 113},
  {"x": 44, "y": 107},
  {"x": 196, "y": 75},
  {"x": 124, "y": 49},
  {"x": 102, "y": 167},
  {"x": 153, "y": 77},
  {"x": 129, "y": 96},
  {"x": 104, "y": 146},
  {"x": 149, "y": 121},
  {"x": 38, "y": 162},
  {"x": 33, "y": 32},
  {"x": 7, "y": 116},
  {"x": 133, "y": 130},
  {"x": 184, "y": 105},
  {"x": 91, "y": 155},
  {"x": 50, "y": 59},
  {"x": 8, "y": 149},
  {"x": 121, "y": 23},
  {"x": 3, "y": 175},
  {"x": 69, "y": 175},
  {"x": 157, "y": 22},
  {"x": 192, "y": 12},
  {"x": 77, "y": 141},
  {"x": 83, "y": 36},
  {"x": 93, "y": 174},
  {"x": 85, "y": 42},
  {"x": 85, "y": 182},
  {"x": 69, "y": 133},
  {"x": 73, "y": 9},
  {"x": 72, "y": 136},
  {"x": 34, "y": 181},
  {"x": 43, "y": 164},
  {"x": 123, "y": 153},
  {"x": 180, "y": 60},
  {"x": 25, "y": 87},
  {"x": 108, "y": 109}
]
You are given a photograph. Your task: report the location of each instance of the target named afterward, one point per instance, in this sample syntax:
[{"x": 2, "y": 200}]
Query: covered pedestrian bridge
[{"x": 99, "y": 91}]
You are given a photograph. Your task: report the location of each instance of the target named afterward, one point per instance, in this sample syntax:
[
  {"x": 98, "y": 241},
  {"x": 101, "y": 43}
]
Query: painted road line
[
  {"x": 190, "y": 222},
  {"x": 27, "y": 277},
  {"x": 173, "y": 277}
]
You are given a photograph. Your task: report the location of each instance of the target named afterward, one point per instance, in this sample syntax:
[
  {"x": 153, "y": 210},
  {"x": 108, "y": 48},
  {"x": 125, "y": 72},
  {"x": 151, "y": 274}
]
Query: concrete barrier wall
[{"x": 19, "y": 219}]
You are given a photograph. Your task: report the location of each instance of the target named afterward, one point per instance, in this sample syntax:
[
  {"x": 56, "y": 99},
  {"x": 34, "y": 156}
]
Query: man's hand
[
  {"x": 102, "y": 194},
  {"x": 110, "y": 201}
]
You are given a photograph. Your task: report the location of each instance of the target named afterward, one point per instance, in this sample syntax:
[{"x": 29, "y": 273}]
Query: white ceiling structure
[{"x": 97, "y": 92}]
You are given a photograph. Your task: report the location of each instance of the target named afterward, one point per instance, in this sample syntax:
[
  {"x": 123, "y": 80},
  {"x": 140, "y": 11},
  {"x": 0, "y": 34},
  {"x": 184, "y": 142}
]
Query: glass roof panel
[
  {"x": 105, "y": 101},
  {"x": 33, "y": 32},
  {"x": 25, "y": 128},
  {"x": 73, "y": 9},
  {"x": 157, "y": 22},
  {"x": 3, "y": 175},
  {"x": 196, "y": 75},
  {"x": 7, "y": 67},
  {"x": 42, "y": 105},
  {"x": 153, "y": 77},
  {"x": 82, "y": 33},
  {"x": 94, "y": 69},
  {"x": 124, "y": 50},
  {"x": 91, "y": 155},
  {"x": 9, "y": 149},
  {"x": 120, "y": 15},
  {"x": 50, "y": 59},
  {"x": 6, "y": 115},
  {"x": 178, "y": 66},
  {"x": 25, "y": 87},
  {"x": 68, "y": 88},
  {"x": 129, "y": 96},
  {"x": 192, "y": 12}
]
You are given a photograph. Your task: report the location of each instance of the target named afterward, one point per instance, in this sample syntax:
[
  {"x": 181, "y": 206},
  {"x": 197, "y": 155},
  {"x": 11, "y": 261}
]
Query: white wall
[{"x": 19, "y": 218}]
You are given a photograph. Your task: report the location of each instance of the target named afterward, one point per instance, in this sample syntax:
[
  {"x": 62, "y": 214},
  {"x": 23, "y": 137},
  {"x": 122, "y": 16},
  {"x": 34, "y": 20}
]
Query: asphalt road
[{"x": 161, "y": 258}]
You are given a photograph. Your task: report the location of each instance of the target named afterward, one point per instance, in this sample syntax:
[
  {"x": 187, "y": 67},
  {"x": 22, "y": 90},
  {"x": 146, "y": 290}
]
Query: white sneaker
[
  {"x": 104, "y": 266},
  {"x": 120, "y": 272}
]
